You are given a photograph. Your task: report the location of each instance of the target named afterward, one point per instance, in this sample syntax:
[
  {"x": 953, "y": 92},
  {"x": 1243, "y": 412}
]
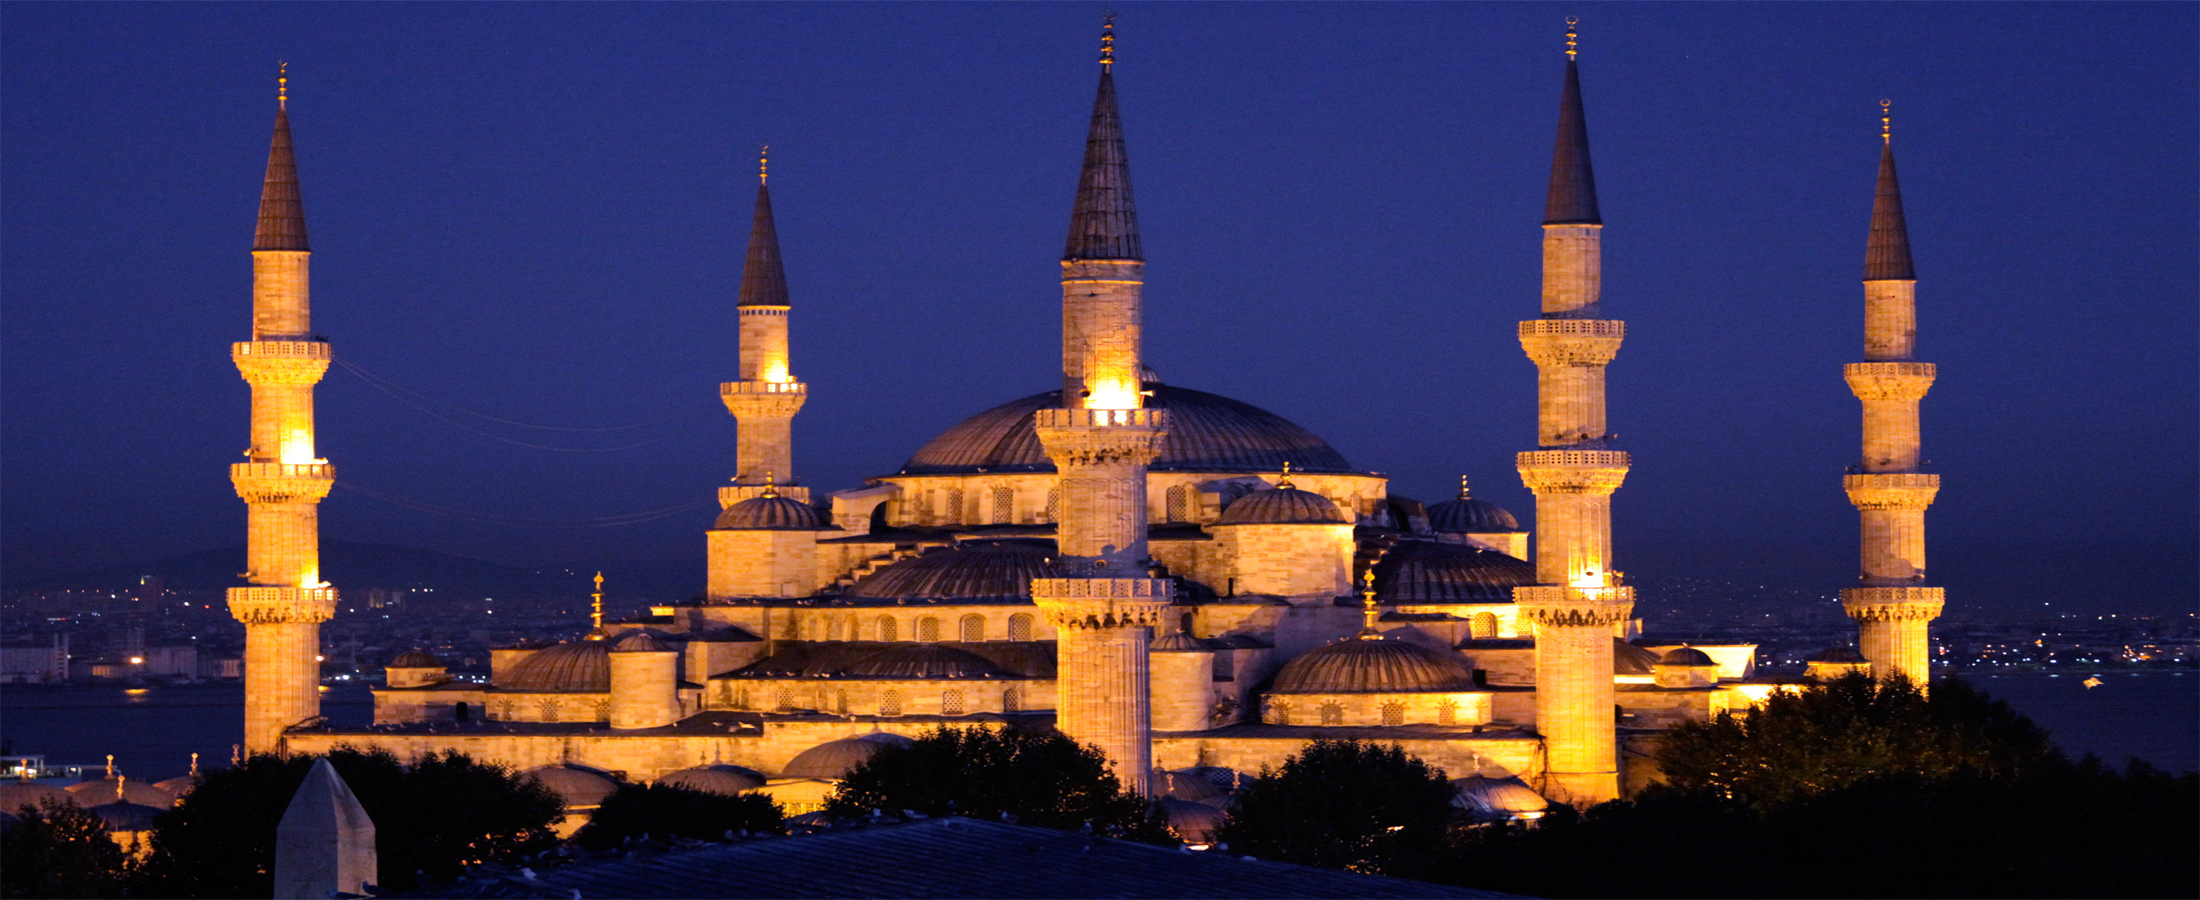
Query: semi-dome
[
  {"x": 728, "y": 781},
  {"x": 1426, "y": 571},
  {"x": 124, "y": 817},
  {"x": 1466, "y": 515},
  {"x": 416, "y": 659},
  {"x": 923, "y": 661},
  {"x": 1207, "y": 433},
  {"x": 770, "y": 512},
  {"x": 1507, "y": 798},
  {"x": 102, "y": 790},
  {"x": 993, "y": 570},
  {"x": 1354, "y": 666},
  {"x": 573, "y": 667},
  {"x": 180, "y": 786},
  {"x": 1177, "y": 642},
  {"x": 642, "y": 642},
  {"x": 1192, "y": 822},
  {"x": 15, "y": 795},
  {"x": 1628, "y": 659},
  {"x": 1686, "y": 656},
  {"x": 578, "y": 787},
  {"x": 1284, "y": 505},
  {"x": 1839, "y": 656},
  {"x": 831, "y": 759}
]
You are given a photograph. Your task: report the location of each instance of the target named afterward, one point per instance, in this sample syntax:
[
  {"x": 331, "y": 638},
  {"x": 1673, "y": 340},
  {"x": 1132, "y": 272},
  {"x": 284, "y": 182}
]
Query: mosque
[{"x": 1193, "y": 584}]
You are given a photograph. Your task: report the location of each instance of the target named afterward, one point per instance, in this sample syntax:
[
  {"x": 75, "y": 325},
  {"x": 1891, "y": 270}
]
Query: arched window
[
  {"x": 1004, "y": 506},
  {"x": 955, "y": 505},
  {"x": 1184, "y": 623},
  {"x": 1012, "y": 700},
  {"x": 951, "y": 702},
  {"x": 928, "y": 629},
  {"x": 890, "y": 704},
  {"x": 1019, "y": 627},
  {"x": 549, "y": 709},
  {"x": 1180, "y": 503},
  {"x": 973, "y": 628},
  {"x": 1447, "y": 713},
  {"x": 832, "y": 628},
  {"x": 1332, "y": 713},
  {"x": 1483, "y": 626},
  {"x": 1394, "y": 713},
  {"x": 840, "y": 701},
  {"x": 783, "y": 698},
  {"x": 1054, "y": 504},
  {"x": 886, "y": 629}
]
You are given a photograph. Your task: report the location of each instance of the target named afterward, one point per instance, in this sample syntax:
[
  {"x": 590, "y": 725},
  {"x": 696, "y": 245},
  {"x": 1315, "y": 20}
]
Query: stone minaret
[
  {"x": 766, "y": 398},
  {"x": 1890, "y": 491},
  {"x": 1577, "y": 601},
  {"x": 1104, "y": 605},
  {"x": 283, "y": 479}
]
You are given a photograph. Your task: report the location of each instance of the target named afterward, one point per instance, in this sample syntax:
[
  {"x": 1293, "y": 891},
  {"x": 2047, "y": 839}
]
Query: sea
[{"x": 152, "y": 731}]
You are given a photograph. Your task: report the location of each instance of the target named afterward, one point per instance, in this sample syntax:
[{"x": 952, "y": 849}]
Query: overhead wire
[
  {"x": 420, "y": 402},
  {"x": 529, "y": 521}
]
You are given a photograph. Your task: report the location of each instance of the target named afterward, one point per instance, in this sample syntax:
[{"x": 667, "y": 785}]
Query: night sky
[{"x": 539, "y": 212}]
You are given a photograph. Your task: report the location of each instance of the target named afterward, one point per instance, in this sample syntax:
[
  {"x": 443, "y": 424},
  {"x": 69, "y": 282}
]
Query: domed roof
[
  {"x": 1443, "y": 572},
  {"x": 180, "y": 786},
  {"x": 102, "y": 790},
  {"x": 1177, "y": 642},
  {"x": 1207, "y": 433},
  {"x": 126, "y": 816},
  {"x": 1284, "y": 505},
  {"x": 1842, "y": 655},
  {"x": 642, "y": 642},
  {"x": 573, "y": 667},
  {"x": 1192, "y": 822},
  {"x": 923, "y": 661},
  {"x": 577, "y": 786},
  {"x": 416, "y": 659},
  {"x": 15, "y": 795},
  {"x": 1628, "y": 659},
  {"x": 1465, "y": 515},
  {"x": 1507, "y": 797},
  {"x": 728, "y": 781},
  {"x": 770, "y": 512},
  {"x": 1355, "y": 666},
  {"x": 993, "y": 570},
  {"x": 1193, "y": 787},
  {"x": 831, "y": 759},
  {"x": 1686, "y": 656}
]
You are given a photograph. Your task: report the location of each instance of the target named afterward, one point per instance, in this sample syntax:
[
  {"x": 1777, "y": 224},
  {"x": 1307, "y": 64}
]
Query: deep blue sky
[{"x": 539, "y": 211}]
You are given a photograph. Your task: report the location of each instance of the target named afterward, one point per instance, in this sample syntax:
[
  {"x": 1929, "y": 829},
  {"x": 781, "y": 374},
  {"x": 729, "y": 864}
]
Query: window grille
[
  {"x": 783, "y": 698},
  {"x": 928, "y": 629},
  {"x": 549, "y": 709},
  {"x": 1447, "y": 713},
  {"x": 1394, "y": 713},
  {"x": 1180, "y": 503},
  {"x": 973, "y": 628},
  {"x": 1332, "y": 713},
  {"x": 890, "y": 704},
  {"x": 1012, "y": 700},
  {"x": 955, "y": 505},
  {"x": 603, "y": 710},
  {"x": 1483, "y": 625},
  {"x": 1004, "y": 505},
  {"x": 886, "y": 629},
  {"x": 1019, "y": 627},
  {"x": 1054, "y": 504},
  {"x": 951, "y": 702}
]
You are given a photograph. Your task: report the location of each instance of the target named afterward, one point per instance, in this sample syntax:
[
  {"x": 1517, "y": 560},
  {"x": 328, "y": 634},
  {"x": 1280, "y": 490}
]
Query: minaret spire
[
  {"x": 282, "y": 207},
  {"x": 763, "y": 275},
  {"x": 1887, "y": 254},
  {"x": 1573, "y": 195},
  {"x": 1104, "y": 224}
]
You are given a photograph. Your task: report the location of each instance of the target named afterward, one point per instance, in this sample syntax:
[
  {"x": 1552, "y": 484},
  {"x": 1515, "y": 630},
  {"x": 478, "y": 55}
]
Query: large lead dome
[{"x": 1207, "y": 432}]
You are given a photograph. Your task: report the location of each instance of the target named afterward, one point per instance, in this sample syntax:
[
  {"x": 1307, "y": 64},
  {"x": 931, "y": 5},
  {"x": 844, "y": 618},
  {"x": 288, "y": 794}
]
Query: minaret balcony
[
  {"x": 1891, "y": 490},
  {"x": 1899, "y": 381},
  {"x": 1571, "y": 605},
  {"x": 764, "y": 399},
  {"x": 1103, "y": 602},
  {"x": 274, "y": 482},
  {"x": 289, "y": 363},
  {"x": 1877, "y": 604},
  {"x": 1573, "y": 471},
  {"x": 282, "y": 605},
  {"x": 1095, "y": 437}
]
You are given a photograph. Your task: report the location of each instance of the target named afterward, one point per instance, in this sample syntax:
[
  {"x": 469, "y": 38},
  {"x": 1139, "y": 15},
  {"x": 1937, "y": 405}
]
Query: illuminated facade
[{"x": 1890, "y": 488}]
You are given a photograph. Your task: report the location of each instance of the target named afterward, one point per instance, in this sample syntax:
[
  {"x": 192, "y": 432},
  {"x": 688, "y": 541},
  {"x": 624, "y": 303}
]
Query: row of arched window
[
  {"x": 1331, "y": 712},
  {"x": 971, "y": 628},
  {"x": 892, "y": 702}
]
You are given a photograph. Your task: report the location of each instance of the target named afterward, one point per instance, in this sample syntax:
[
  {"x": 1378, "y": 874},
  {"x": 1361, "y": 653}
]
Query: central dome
[
  {"x": 992, "y": 571},
  {"x": 1206, "y": 433},
  {"x": 1353, "y": 666}
]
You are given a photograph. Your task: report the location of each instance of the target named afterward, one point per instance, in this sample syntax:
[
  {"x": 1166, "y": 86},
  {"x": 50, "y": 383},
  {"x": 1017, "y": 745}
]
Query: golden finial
[
  {"x": 770, "y": 489},
  {"x": 110, "y": 765},
  {"x": 282, "y": 84},
  {"x": 1107, "y": 42},
  {"x": 1368, "y": 612},
  {"x": 595, "y": 613},
  {"x": 1886, "y": 121},
  {"x": 236, "y": 755},
  {"x": 1571, "y": 21},
  {"x": 119, "y": 782},
  {"x": 1464, "y": 494},
  {"x": 763, "y": 163},
  {"x": 194, "y": 765},
  {"x": 1285, "y": 481}
]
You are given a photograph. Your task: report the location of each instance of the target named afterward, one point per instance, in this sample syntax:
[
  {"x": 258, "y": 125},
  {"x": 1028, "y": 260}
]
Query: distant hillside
[{"x": 352, "y": 565}]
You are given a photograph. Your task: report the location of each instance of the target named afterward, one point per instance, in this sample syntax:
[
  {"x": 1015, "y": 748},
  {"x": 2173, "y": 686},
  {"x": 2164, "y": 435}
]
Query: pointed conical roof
[
  {"x": 1887, "y": 254},
  {"x": 763, "y": 277},
  {"x": 1573, "y": 197},
  {"x": 282, "y": 208},
  {"x": 1105, "y": 223}
]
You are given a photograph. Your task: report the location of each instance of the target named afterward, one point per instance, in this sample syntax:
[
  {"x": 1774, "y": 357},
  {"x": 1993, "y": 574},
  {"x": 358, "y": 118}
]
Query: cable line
[
  {"x": 406, "y": 396},
  {"x": 529, "y": 521},
  {"x": 394, "y": 388}
]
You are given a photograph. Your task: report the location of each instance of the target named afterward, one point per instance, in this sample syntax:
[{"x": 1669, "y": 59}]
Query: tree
[
  {"x": 60, "y": 850},
  {"x": 1344, "y": 805},
  {"x": 1799, "y": 744},
  {"x": 1040, "y": 778},
  {"x": 668, "y": 811},
  {"x": 434, "y": 817}
]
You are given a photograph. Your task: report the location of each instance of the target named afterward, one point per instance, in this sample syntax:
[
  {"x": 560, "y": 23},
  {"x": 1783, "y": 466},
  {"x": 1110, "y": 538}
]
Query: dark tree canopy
[
  {"x": 1797, "y": 745},
  {"x": 1042, "y": 778},
  {"x": 1344, "y": 805},
  {"x": 435, "y": 816},
  {"x": 60, "y": 850},
  {"x": 667, "y": 811}
]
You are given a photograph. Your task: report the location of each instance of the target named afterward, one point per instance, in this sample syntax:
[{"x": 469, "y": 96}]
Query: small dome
[
  {"x": 923, "y": 661},
  {"x": 1466, "y": 515},
  {"x": 574, "y": 667},
  {"x": 125, "y": 816},
  {"x": 728, "y": 781},
  {"x": 770, "y": 512},
  {"x": 1497, "y": 797},
  {"x": 1839, "y": 655},
  {"x": 1353, "y": 666},
  {"x": 102, "y": 790},
  {"x": 1628, "y": 659},
  {"x": 1427, "y": 571},
  {"x": 180, "y": 786},
  {"x": 832, "y": 759},
  {"x": 991, "y": 570},
  {"x": 642, "y": 642},
  {"x": 1284, "y": 505},
  {"x": 578, "y": 787},
  {"x": 1193, "y": 822},
  {"x": 1177, "y": 642},
  {"x": 416, "y": 659},
  {"x": 15, "y": 795},
  {"x": 1686, "y": 656},
  {"x": 1185, "y": 785}
]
